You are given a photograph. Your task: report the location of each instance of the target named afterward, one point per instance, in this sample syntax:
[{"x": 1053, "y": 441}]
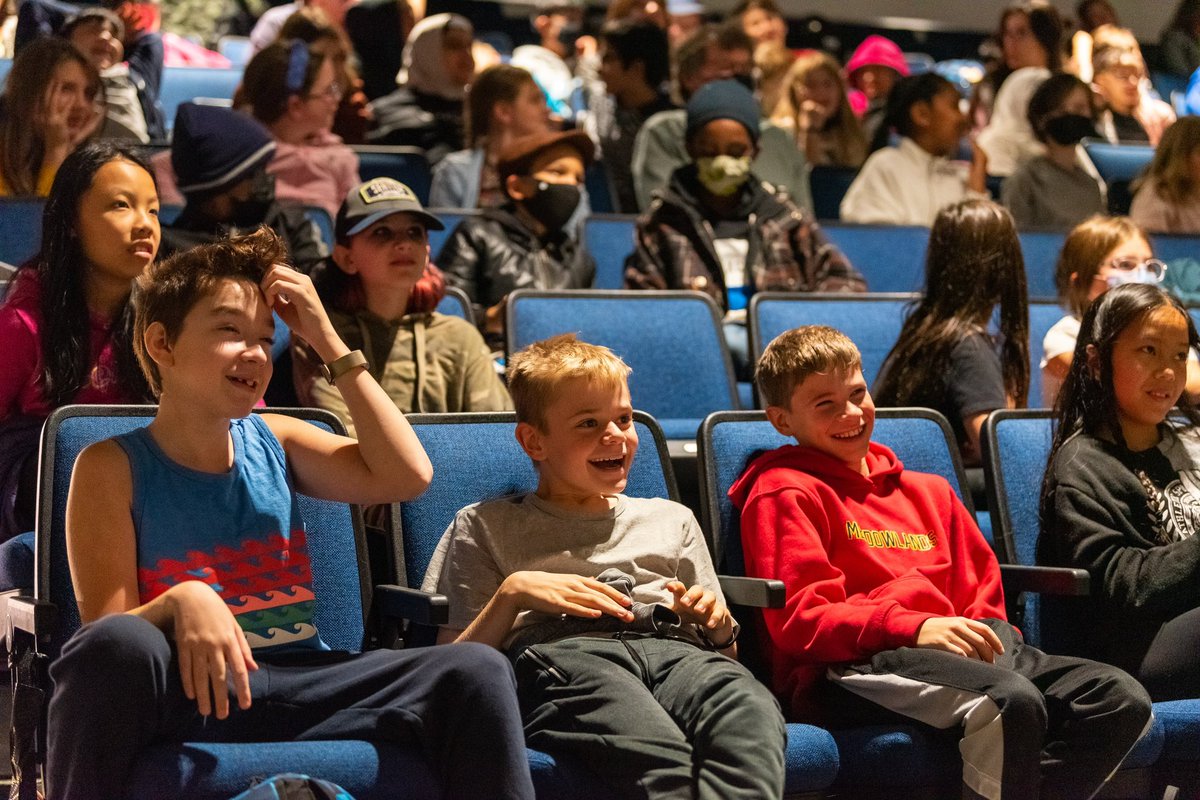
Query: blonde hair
[
  {"x": 1083, "y": 254},
  {"x": 771, "y": 61},
  {"x": 794, "y": 355},
  {"x": 1170, "y": 173},
  {"x": 849, "y": 143},
  {"x": 536, "y": 373}
]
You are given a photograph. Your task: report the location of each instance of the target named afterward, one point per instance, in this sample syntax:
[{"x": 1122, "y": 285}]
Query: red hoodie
[{"x": 865, "y": 560}]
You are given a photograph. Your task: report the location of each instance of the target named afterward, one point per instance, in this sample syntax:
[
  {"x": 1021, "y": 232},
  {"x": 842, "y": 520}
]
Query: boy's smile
[
  {"x": 832, "y": 412},
  {"x": 586, "y": 446},
  {"x": 229, "y": 333}
]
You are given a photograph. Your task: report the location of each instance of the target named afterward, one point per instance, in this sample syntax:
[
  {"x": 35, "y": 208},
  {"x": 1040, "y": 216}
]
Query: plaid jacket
[{"x": 788, "y": 251}]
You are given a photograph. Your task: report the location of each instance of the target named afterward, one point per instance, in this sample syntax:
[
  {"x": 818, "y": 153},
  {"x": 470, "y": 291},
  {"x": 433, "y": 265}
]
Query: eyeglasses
[
  {"x": 1153, "y": 266},
  {"x": 332, "y": 92}
]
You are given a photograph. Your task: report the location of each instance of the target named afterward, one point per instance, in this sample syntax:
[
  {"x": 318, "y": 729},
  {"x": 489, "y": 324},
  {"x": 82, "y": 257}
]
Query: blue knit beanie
[
  {"x": 727, "y": 99},
  {"x": 213, "y": 147}
]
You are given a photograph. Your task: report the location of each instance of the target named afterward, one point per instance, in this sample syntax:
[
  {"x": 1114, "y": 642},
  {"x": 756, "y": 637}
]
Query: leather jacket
[{"x": 492, "y": 253}]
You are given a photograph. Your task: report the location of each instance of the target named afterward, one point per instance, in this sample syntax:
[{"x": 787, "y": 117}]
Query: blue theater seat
[
  {"x": 872, "y": 321},
  {"x": 197, "y": 84},
  {"x": 1016, "y": 446},
  {"x": 212, "y": 771},
  {"x": 682, "y": 369},
  {"x": 405, "y": 164}
]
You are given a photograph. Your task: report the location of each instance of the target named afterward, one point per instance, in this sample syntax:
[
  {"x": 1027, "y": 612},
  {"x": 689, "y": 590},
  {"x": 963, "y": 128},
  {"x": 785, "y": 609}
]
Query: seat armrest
[
  {"x": 752, "y": 592},
  {"x": 1062, "y": 581},
  {"x": 29, "y": 615},
  {"x": 401, "y": 602}
]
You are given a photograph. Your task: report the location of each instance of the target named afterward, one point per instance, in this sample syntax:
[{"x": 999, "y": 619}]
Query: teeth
[{"x": 849, "y": 434}]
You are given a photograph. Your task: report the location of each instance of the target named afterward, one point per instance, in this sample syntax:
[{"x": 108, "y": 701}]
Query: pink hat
[{"x": 877, "y": 51}]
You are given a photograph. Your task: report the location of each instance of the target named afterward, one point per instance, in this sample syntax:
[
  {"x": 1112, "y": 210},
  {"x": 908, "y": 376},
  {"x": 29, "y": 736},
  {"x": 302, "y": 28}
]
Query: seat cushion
[
  {"x": 219, "y": 771},
  {"x": 1180, "y": 720},
  {"x": 811, "y": 764},
  {"x": 897, "y": 756}
]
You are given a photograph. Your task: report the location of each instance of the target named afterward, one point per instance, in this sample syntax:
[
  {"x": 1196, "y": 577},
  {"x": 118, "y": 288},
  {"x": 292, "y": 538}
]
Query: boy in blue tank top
[{"x": 190, "y": 566}]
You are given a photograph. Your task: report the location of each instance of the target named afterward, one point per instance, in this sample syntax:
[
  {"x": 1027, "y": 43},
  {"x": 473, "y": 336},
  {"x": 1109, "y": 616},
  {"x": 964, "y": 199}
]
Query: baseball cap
[{"x": 370, "y": 202}]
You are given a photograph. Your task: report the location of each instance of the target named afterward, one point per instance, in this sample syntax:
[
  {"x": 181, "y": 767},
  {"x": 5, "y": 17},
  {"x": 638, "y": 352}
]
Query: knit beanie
[
  {"x": 726, "y": 99},
  {"x": 214, "y": 147}
]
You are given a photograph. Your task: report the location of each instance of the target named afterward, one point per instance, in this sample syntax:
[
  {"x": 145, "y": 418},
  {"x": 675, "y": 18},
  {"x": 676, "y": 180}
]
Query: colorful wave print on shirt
[{"x": 267, "y": 584}]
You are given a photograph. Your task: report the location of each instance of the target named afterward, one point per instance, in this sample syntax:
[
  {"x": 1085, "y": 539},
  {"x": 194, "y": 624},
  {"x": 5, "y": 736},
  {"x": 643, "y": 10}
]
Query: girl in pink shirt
[{"x": 66, "y": 322}]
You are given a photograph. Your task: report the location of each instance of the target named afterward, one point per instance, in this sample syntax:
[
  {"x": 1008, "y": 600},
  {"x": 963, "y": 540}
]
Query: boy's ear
[
  {"x": 780, "y": 419},
  {"x": 1093, "y": 361},
  {"x": 294, "y": 103},
  {"x": 530, "y": 439},
  {"x": 513, "y": 185},
  {"x": 341, "y": 257},
  {"x": 158, "y": 346}
]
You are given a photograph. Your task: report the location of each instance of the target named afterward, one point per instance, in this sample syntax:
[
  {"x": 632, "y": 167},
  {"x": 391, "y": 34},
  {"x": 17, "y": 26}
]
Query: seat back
[
  {"x": 871, "y": 321},
  {"x": 1118, "y": 165},
  {"x": 1041, "y": 249},
  {"x": 609, "y": 238},
  {"x": 682, "y": 369},
  {"x": 450, "y": 217},
  {"x": 890, "y": 257},
  {"x": 337, "y": 549},
  {"x": 20, "y": 228},
  {"x": 829, "y": 185},
  {"x": 729, "y": 441},
  {"x": 456, "y": 304},
  {"x": 405, "y": 164},
  {"x": 1016, "y": 447},
  {"x": 476, "y": 457},
  {"x": 1042, "y": 317},
  {"x": 184, "y": 84}
]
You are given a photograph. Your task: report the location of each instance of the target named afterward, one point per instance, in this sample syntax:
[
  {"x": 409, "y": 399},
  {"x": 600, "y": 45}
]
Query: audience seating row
[{"x": 849, "y": 761}]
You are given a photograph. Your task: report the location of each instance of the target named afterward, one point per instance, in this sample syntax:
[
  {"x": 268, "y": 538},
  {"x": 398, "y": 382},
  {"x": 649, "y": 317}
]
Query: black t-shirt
[
  {"x": 1129, "y": 519},
  {"x": 1128, "y": 129},
  {"x": 973, "y": 384}
]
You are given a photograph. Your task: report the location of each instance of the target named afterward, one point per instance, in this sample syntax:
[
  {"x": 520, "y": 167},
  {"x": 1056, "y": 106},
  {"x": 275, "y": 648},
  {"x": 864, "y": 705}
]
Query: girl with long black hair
[
  {"x": 66, "y": 322},
  {"x": 946, "y": 358}
]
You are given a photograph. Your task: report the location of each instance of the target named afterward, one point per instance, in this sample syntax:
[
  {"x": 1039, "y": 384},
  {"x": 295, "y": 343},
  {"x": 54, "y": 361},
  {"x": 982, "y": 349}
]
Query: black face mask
[
  {"x": 553, "y": 204},
  {"x": 253, "y": 210},
  {"x": 1067, "y": 129}
]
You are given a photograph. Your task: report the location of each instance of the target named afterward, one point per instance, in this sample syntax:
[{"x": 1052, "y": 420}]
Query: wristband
[
  {"x": 733, "y": 637},
  {"x": 343, "y": 364}
]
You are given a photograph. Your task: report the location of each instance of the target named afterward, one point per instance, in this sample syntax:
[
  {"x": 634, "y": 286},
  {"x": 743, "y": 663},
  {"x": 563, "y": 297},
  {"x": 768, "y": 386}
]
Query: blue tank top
[{"x": 240, "y": 532}]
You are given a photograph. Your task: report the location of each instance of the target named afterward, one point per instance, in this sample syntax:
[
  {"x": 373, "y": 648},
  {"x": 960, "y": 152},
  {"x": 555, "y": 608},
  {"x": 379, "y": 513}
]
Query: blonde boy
[
  {"x": 894, "y": 596},
  {"x": 607, "y": 604}
]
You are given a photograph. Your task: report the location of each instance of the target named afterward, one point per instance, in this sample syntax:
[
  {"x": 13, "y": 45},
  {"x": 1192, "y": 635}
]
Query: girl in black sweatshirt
[{"x": 1121, "y": 496}]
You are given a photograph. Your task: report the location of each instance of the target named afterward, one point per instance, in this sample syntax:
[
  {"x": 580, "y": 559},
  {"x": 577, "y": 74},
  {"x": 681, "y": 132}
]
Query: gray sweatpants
[
  {"x": 654, "y": 718},
  {"x": 1034, "y": 725}
]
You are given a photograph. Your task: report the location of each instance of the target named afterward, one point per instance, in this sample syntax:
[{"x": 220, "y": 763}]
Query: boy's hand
[
  {"x": 701, "y": 607},
  {"x": 291, "y": 295},
  {"x": 212, "y": 649},
  {"x": 961, "y": 636},
  {"x": 556, "y": 593}
]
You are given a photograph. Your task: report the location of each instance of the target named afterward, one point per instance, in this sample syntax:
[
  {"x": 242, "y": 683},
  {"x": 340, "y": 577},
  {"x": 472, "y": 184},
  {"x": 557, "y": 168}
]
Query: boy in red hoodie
[{"x": 894, "y": 596}]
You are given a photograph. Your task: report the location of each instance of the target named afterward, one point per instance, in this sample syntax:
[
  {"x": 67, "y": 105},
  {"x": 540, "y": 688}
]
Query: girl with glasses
[
  {"x": 1100, "y": 253},
  {"x": 294, "y": 90}
]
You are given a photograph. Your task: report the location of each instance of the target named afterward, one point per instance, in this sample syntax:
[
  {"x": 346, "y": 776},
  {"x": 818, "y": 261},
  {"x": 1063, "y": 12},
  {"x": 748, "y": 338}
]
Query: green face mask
[{"x": 723, "y": 175}]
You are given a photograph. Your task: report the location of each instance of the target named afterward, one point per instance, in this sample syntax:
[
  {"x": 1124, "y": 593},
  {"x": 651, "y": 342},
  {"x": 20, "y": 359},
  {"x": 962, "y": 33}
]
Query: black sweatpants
[
  {"x": 118, "y": 691},
  {"x": 1034, "y": 725},
  {"x": 654, "y": 718}
]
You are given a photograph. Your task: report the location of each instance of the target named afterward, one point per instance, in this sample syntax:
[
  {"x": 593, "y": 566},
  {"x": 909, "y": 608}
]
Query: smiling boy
[
  {"x": 189, "y": 558},
  {"x": 608, "y": 604},
  {"x": 893, "y": 596}
]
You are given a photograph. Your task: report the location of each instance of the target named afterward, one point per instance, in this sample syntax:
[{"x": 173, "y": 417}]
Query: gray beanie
[{"x": 726, "y": 99}]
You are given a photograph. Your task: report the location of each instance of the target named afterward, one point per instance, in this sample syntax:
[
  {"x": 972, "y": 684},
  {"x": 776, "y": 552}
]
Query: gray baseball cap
[{"x": 370, "y": 202}]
